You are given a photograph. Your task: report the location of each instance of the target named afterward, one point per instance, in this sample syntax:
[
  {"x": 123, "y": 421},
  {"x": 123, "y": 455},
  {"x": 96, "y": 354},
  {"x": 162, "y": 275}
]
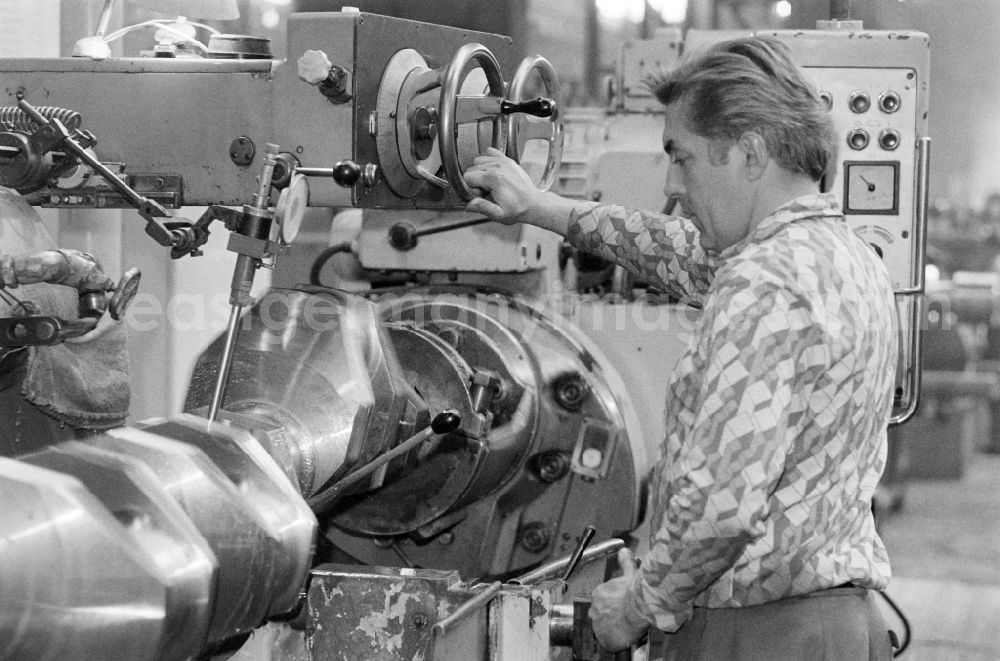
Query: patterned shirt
[{"x": 776, "y": 414}]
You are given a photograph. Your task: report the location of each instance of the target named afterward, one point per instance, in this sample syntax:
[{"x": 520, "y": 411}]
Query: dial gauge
[{"x": 871, "y": 187}]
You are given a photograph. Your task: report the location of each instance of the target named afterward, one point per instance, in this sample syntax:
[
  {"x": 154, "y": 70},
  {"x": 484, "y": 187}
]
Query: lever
[
  {"x": 403, "y": 235},
  {"x": 574, "y": 560},
  {"x": 346, "y": 173},
  {"x": 444, "y": 422},
  {"x": 540, "y": 107},
  {"x": 149, "y": 209}
]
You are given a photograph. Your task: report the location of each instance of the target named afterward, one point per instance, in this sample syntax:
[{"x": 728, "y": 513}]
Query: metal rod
[
  {"x": 466, "y": 608},
  {"x": 225, "y": 363},
  {"x": 451, "y": 226},
  {"x": 324, "y": 499},
  {"x": 555, "y": 568},
  {"x": 105, "y": 18},
  {"x": 923, "y": 202},
  {"x": 315, "y": 172},
  {"x": 918, "y": 275}
]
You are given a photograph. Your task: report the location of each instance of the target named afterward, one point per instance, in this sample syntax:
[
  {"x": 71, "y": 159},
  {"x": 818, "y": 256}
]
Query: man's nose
[{"x": 674, "y": 186}]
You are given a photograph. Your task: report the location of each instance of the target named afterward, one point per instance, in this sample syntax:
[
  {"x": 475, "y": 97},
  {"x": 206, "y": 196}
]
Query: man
[{"x": 763, "y": 546}]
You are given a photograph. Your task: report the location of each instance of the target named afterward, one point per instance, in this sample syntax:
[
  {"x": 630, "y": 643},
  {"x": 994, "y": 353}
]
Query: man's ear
[{"x": 755, "y": 154}]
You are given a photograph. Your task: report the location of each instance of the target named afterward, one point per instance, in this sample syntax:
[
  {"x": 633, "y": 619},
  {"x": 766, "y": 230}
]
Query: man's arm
[
  {"x": 712, "y": 494},
  {"x": 662, "y": 250}
]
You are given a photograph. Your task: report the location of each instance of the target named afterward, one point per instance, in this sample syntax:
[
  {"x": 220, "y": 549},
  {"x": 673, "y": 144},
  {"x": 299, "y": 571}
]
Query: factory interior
[{"x": 320, "y": 411}]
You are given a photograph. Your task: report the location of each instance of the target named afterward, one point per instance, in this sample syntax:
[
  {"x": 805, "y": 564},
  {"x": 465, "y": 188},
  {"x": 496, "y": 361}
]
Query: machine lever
[
  {"x": 574, "y": 560},
  {"x": 444, "y": 422},
  {"x": 345, "y": 173},
  {"x": 540, "y": 107},
  {"x": 403, "y": 235},
  {"x": 149, "y": 209}
]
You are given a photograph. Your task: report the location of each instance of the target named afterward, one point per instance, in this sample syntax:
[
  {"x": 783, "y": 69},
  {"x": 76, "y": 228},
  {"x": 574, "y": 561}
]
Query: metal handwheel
[
  {"x": 524, "y": 127},
  {"x": 455, "y": 110}
]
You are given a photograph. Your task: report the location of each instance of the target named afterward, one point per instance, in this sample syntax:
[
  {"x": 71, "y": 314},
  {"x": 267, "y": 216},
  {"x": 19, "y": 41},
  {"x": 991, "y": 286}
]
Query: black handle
[
  {"x": 540, "y": 107},
  {"x": 346, "y": 173},
  {"x": 574, "y": 560}
]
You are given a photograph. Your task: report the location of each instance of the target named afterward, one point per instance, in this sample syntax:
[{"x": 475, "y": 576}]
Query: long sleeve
[
  {"x": 759, "y": 351},
  {"x": 662, "y": 250},
  {"x": 775, "y": 429}
]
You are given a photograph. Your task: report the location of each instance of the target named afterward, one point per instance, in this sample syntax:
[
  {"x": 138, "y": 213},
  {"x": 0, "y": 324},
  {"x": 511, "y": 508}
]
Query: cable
[
  {"x": 162, "y": 25},
  {"x": 322, "y": 259},
  {"x": 14, "y": 300},
  {"x": 907, "y": 632}
]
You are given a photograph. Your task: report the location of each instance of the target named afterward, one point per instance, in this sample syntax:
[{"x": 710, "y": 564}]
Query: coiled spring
[{"x": 13, "y": 118}]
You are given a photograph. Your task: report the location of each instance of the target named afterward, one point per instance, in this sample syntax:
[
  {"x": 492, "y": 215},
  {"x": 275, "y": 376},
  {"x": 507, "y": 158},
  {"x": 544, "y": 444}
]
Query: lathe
[{"x": 416, "y": 471}]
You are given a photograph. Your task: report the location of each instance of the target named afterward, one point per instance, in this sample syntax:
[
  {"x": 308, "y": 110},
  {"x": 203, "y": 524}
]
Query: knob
[
  {"x": 346, "y": 173},
  {"x": 314, "y": 66},
  {"x": 403, "y": 236},
  {"x": 446, "y": 421},
  {"x": 540, "y": 107}
]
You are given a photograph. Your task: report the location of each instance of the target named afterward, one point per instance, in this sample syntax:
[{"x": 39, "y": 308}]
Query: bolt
[
  {"x": 570, "y": 391},
  {"x": 446, "y": 538},
  {"x": 551, "y": 466},
  {"x": 418, "y": 620},
  {"x": 534, "y": 537}
]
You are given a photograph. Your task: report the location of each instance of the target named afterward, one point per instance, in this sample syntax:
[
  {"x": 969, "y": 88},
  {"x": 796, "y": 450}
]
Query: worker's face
[{"x": 711, "y": 186}]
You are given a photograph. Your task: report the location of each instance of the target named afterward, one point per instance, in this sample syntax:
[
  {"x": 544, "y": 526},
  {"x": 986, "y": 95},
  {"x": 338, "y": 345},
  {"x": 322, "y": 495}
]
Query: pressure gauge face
[
  {"x": 871, "y": 187},
  {"x": 291, "y": 207}
]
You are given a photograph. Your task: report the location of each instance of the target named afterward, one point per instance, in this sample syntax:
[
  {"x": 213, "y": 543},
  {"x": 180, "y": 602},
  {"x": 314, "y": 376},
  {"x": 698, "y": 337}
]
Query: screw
[
  {"x": 551, "y": 466},
  {"x": 446, "y": 538},
  {"x": 418, "y": 620},
  {"x": 534, "y": 537},
  {"x": 570, "y": 391}
]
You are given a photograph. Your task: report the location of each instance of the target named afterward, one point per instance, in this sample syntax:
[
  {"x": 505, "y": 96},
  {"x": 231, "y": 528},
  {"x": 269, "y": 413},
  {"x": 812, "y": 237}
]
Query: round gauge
[{"x": 291, "y": 207}]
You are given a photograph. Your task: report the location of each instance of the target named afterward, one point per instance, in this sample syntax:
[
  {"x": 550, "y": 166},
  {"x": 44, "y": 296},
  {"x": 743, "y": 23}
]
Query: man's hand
[
  {"x": 610, "y": 608},
  {"x": 510, "y": 189}
]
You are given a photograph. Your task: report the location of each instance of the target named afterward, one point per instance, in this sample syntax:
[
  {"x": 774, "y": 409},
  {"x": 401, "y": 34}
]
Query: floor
[{"x": 944, "y": 544}]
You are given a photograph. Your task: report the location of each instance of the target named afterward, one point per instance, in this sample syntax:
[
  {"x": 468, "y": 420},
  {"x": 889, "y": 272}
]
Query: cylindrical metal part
[
  {"x": 172, "y": 547},
  {"x": 233, "y": 527},
  {"x": 262, "y": 482},
  {"x": 557, "y": 567},
  {"x": 561, "y": 625},
  {"x": 62, "y": 553},
  {"x": 467, "y": 608}
]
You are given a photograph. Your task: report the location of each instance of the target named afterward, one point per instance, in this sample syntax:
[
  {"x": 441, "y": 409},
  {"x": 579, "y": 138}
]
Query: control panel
[{"x": 875, "y": 120}]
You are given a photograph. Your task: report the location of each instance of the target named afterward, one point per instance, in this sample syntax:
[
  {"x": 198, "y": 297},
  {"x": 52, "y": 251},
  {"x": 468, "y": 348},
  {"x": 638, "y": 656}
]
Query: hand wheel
[
  {"x": 455, "y": 110},
  {"x": 522, "y": 127}
]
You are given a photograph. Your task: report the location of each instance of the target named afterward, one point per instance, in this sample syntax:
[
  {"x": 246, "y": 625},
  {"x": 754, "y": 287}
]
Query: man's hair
[{"x": 752, "y": 84}]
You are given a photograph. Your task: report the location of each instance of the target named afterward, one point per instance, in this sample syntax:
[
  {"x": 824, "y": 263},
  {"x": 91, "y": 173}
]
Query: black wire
[
  {"x": 14, "y": 300},
  {"x": 323, "y": 258},
  {"x": 907, "y": 632}
]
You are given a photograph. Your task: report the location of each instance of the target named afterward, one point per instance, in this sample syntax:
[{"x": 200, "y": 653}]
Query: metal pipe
[
  {"x": 467, "y": 608},
  {"x": 918, "y": 275},
  {"x": 557, "y": 567}
]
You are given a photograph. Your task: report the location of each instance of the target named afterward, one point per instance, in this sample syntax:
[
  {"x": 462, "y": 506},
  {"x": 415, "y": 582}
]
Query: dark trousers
[{"x": 840, "y": 624}]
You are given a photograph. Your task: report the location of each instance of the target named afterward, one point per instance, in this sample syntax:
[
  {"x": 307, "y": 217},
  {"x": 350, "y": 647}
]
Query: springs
[{"x": 13, "y": 118}]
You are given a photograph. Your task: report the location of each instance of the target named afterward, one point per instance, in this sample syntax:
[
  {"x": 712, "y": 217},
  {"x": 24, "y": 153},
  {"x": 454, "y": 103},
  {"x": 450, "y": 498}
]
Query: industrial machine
[{"x": 410, "y": 473}]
